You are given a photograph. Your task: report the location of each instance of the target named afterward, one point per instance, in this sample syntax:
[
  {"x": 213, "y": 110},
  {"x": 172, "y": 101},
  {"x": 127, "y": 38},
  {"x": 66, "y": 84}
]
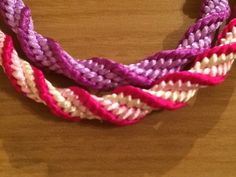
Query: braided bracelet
[
  {"x": 104, "y": 74},
  {"x": 127, "y": 104}
]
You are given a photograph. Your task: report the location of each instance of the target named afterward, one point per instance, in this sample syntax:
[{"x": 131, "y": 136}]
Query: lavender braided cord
[{"x": 105, "y": 74}]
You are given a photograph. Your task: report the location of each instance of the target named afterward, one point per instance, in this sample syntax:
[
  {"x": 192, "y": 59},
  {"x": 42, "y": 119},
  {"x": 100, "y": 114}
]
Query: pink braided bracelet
[
  {"x": 104, "y": 74},
  {"x": 127, "y": 104}
]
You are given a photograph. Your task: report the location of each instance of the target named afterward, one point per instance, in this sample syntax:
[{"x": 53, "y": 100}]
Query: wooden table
[{"x": 197, "y": 141}]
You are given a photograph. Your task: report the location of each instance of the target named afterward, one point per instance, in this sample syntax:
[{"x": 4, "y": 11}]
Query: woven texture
[
  {"x": 127, "y": 104},
  {"x": 104, "y": 74}
]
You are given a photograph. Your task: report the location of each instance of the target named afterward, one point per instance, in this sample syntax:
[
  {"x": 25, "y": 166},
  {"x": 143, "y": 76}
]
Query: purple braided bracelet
[{"x": 105, "y": 74}]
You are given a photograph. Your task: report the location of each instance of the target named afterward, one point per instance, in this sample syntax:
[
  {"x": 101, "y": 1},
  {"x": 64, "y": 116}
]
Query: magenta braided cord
[
  {"x": 104, "y": 74},
  {"x": 127, "y": 104}
]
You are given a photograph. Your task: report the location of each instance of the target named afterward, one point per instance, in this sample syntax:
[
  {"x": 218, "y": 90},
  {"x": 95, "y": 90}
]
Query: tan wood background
[{"x": 199, "y": 140}]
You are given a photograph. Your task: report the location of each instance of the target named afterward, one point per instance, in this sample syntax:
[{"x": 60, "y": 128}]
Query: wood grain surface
[{"x": 197, "y": 141}]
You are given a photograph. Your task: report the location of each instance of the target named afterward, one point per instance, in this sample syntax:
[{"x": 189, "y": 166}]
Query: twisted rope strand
[
  {"x": 104, "y": 74},
  {"x": 127, "y": 104}
]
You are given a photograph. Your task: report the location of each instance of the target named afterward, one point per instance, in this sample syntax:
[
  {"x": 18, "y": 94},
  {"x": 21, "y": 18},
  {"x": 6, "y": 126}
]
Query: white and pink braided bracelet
[{"x": 127, "y": 104}]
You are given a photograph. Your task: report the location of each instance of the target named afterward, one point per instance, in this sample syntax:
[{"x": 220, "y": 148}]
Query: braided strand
[
  {"x": 104, "y": 74},
  {"x": 127, "y": 104}
]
